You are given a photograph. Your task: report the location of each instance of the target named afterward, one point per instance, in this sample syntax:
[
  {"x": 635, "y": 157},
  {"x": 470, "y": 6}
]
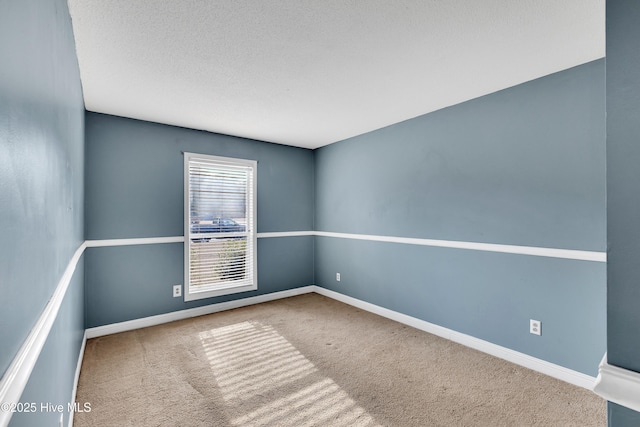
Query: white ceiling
[{"x": 311, "y": 72}]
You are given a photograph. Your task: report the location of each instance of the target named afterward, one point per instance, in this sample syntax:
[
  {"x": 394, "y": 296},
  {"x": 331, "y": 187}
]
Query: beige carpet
[{"x": 309, "y": 360}]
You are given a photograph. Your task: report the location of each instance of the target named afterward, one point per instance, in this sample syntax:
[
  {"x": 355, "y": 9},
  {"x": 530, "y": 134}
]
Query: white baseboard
[
  {"x": 17, "y": 374},
  {"x": 559, "y": 372},
  {"x": 159, "y": 319},
  {"x": 77, "y": 376},
  {"x": 618, "y": 385}
]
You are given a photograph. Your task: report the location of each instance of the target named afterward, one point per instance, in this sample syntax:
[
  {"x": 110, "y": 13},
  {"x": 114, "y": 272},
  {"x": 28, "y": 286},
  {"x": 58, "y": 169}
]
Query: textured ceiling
[{"x": 311, "y": 72}]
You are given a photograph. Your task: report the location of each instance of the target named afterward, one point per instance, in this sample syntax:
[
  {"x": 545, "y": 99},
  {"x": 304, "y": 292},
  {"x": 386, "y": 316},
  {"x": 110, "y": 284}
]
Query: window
[{"x": 219, "y": 230}]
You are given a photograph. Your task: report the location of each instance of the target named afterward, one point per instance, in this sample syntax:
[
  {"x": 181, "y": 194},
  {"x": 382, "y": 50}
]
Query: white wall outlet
[
  {"x": 535, "y": 327},
  {"x": 177, "y": 291},
  {"x": 337, "y": 277}
]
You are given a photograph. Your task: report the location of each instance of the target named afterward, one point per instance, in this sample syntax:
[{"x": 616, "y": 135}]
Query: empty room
[{"x": 322, "y": 213}]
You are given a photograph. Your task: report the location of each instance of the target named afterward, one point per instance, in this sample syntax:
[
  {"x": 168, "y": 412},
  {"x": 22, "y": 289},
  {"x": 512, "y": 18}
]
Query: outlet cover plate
[{"x": 535, "y": 327}]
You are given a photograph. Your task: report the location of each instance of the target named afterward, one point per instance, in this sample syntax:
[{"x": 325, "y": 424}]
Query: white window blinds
[{"x": 220, "y": 232}]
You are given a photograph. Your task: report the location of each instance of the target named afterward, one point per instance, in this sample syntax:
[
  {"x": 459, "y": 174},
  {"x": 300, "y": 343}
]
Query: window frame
[{"x": 250, "y": 227}]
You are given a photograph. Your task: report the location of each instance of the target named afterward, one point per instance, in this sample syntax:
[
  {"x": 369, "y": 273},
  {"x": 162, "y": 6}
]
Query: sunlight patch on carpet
[{"x": 265, "y": 380}]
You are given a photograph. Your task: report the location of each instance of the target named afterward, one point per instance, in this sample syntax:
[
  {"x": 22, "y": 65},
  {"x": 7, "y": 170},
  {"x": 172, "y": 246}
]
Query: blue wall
[
  {"x": 623, "y": 194},
  {"x": 524, "y": 166},
  {"x": 41, "y": 191},
  {"x": 52, "y": 378},
  {"x": 135, "y": 188}
]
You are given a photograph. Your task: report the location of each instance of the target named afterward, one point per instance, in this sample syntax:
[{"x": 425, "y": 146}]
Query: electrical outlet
[
  {"x": 337, "y": 277},
  {"x": 535, "y": 327},
  {"x": 177, "y": 291}
]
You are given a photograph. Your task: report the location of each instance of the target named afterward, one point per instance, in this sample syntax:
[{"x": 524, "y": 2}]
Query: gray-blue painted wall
[
  {"x": 134, "y": 188},
  {"x": 52, "y": 378},
  {"x": 523, "y": 166},
  {"x": 41, "y": 191},
  {"x": 623, "y": 194}
]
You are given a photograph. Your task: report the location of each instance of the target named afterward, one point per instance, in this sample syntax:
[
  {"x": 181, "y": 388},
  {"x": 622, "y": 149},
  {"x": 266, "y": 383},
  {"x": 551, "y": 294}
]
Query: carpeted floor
[{"x": 310, "y": 360}]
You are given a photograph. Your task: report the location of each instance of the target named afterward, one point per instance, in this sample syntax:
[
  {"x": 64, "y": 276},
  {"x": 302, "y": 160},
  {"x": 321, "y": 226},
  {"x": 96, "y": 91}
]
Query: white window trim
[{"x": 251, "y": 228}]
